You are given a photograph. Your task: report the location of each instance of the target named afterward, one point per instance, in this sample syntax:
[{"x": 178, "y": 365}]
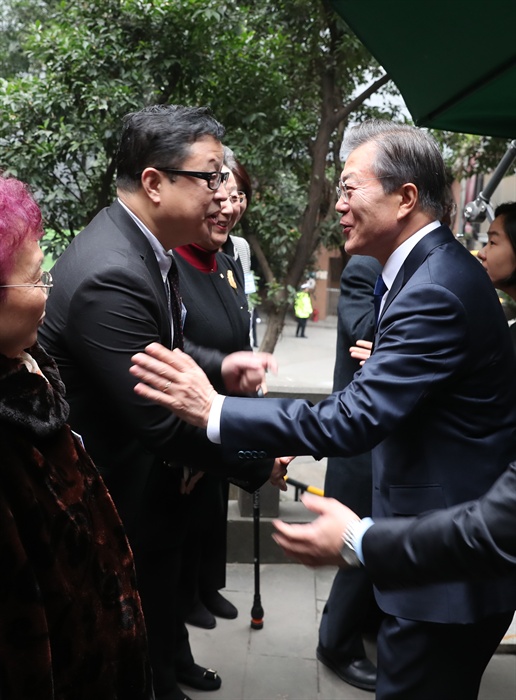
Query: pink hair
[{"x": 20, "y": 221}]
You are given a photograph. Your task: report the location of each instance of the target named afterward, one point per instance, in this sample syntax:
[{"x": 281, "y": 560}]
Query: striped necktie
[{"x": 175, "y": 304}]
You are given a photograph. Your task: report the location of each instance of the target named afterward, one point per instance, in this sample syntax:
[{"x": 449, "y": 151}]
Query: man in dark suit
[
  {"x": 351, "y": 608},
  {"x": 114, "y": 292},
  {"x": 435, "y": 401}
]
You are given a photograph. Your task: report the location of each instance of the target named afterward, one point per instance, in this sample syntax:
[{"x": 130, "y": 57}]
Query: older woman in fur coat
[{"x": 71, "y": 626}]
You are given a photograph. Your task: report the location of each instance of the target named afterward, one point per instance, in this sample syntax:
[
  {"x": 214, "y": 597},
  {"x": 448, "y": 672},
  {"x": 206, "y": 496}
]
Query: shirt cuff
[
  {"x": 213, "y": 427},
  {"x": 358, "y": 534}
]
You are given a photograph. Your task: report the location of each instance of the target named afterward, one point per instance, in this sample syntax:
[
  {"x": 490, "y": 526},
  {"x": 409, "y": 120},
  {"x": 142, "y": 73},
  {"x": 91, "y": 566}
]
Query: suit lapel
[
  {"x": 130, "y": 230},
  {"x": 415, "y": 259}
]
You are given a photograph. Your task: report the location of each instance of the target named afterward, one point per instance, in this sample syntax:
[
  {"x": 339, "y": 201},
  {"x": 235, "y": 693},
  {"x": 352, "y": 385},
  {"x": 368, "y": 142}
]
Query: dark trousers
[
  {"x": 350, "y": 610},
  {"x": 204, "y": 557},
  {"x": 429, "y": 661},
  {"x": 158, "y": 584},
  {"x": 301, "y": 326}
]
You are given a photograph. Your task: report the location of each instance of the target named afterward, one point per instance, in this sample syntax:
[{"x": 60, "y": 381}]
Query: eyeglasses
[
  {"x": 235, "y": 197},
  {"x": 343, "y": 190},
  {"x": 214, "y": 179},
  {"x": 45, "y": 283}
]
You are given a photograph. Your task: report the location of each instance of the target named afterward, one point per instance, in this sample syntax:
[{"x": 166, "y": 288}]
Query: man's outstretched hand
[
  {"x": 172, "y": 379},
  {"x": 317, "y": 543}
]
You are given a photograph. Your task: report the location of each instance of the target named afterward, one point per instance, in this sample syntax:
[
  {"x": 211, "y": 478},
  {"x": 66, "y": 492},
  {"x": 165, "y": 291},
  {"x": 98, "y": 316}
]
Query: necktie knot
[
  {"x": 379, "y": 290},
  {"x": 380, "y": 287}
]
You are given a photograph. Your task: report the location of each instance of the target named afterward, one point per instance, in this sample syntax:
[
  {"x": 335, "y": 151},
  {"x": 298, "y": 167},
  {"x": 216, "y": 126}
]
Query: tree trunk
[
  {"x": 320, "y": 198},
  {"x": 275, "y": 324}
]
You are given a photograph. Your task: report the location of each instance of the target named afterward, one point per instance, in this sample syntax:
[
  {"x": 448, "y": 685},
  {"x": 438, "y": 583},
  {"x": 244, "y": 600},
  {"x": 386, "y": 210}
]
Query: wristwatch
[{"x": 347, "y": 551}]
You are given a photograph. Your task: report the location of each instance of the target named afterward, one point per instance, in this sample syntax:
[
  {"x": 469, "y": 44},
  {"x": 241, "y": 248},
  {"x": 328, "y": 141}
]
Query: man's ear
[
  {"x": 152, "y": 184},
  {"x": 409, "y": 199}
]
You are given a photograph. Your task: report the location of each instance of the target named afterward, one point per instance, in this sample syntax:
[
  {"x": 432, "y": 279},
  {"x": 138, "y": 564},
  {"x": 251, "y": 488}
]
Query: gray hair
[{"x": 404, "y": 154}]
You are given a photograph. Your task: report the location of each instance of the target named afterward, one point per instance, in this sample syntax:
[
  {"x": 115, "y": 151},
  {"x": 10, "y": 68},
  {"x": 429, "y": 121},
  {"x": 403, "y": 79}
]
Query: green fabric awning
[{"x": 454, "y": 62}]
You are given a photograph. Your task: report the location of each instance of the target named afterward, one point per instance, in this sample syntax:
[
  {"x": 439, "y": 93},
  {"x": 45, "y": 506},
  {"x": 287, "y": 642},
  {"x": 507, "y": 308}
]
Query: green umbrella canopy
[{"x": 454, "y": 62}]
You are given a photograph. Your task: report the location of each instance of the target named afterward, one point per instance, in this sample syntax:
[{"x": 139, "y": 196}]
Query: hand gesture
[{"x": 317, "y": 543}]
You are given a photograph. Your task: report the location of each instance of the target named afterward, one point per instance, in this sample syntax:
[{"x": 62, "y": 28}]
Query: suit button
[
  {"x": 262, "y": 454},
  {"x": 241, "y": 454}
]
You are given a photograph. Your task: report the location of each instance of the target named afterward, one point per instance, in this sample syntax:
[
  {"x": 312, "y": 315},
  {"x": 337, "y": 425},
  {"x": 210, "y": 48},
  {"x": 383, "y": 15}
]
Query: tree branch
[{"x": 345, "y": 111}]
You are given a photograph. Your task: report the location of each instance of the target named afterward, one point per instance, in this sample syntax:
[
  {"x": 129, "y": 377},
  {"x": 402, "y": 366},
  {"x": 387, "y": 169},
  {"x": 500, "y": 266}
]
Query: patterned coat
[{"x": 71, "y": 626}]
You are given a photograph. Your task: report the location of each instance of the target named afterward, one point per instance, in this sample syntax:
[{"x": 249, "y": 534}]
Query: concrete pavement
[{"x": 278, "y": 662}]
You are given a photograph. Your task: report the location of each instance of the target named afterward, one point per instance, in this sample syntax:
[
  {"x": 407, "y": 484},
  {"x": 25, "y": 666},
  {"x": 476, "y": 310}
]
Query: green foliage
[
  {"x": 467, "y": 154},
  {"x": 85, "y": 64},
  {"x": 271, "y": 72}
]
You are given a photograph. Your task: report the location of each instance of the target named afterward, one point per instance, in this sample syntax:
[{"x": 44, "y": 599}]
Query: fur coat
[{"x": 71, "y": 626}]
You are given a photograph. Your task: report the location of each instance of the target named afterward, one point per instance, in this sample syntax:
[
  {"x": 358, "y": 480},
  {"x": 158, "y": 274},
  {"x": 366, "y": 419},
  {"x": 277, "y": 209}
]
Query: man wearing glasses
[
  {"x": 435, "y": 402},
  {"x": 116, "y": 290}
]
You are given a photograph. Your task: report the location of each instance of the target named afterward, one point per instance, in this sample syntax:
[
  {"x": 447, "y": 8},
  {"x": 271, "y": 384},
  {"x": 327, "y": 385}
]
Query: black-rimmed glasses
[
  {"x": 45, "y": 283},
  {"x": 214, "y": 179}
]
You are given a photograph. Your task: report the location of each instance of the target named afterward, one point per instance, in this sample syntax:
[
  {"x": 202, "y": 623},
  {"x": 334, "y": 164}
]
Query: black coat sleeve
[
  {"x": 471, "y": 540},
  {"x": 111, "y": 315}
]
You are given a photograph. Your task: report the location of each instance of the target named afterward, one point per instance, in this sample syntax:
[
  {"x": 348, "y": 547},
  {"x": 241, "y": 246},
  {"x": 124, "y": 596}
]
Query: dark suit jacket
[
  {"x": 217, "y": 313},
  {"x": 109, "y": 302},
  {"x": 435, "y": 401},
  {"x": 349, "y": 478},
  {"x": 475, "y": 539}
]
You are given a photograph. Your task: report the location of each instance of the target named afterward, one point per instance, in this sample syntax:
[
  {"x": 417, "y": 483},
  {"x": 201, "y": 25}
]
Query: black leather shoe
[
  {"x": 218, "y": 605},
  {"x": 360, "y": 673},
  {"x": 199, "y": 677},
  {"x": 200, "y": 616}
]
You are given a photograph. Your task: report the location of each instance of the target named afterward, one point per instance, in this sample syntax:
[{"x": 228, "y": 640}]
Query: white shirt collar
[{"x": 398, "y": 257}]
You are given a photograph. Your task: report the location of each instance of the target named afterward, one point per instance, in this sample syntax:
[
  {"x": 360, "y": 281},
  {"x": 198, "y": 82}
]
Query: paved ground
[{"x": 278, "y": 662}]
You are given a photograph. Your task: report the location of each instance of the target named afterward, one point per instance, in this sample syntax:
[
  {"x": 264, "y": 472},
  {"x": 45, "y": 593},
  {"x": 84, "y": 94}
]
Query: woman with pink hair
[{"x": 71, "y": 626}]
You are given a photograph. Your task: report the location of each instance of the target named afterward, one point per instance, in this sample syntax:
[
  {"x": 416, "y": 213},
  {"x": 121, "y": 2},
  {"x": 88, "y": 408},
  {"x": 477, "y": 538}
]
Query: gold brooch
[{"x": 231, "y": 279}]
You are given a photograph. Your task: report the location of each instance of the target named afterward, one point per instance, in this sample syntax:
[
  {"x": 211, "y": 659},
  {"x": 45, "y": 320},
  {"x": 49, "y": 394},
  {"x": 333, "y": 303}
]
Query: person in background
[
  {"x": 237, "y": 246},
  {"x": 351, "y": 609},
  {"x": 302, "y": 310},
  {"x": 498, "y": 256},
  {"x": 71, "y": 624}
]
